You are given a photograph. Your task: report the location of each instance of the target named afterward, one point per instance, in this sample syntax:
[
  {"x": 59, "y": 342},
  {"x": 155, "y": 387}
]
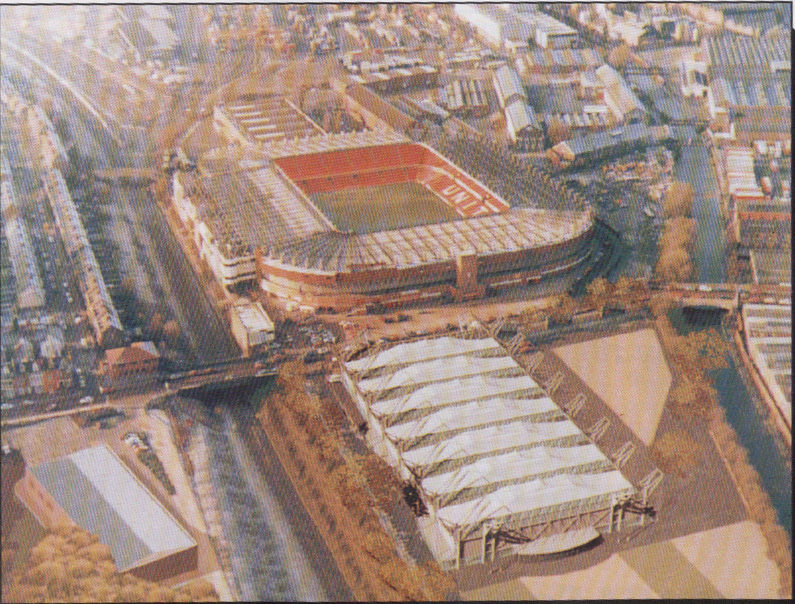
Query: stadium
[{"x": 346, "y": 220}]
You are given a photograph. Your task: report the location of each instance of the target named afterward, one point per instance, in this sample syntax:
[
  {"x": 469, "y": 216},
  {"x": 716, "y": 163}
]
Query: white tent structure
[{"x": 488, "y": 450}]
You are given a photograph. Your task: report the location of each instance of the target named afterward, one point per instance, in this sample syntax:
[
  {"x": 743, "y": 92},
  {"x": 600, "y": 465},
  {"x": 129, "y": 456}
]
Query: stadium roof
[
  {"x": 513, "y": 230},
  {"x": 100, "y": 494},
  {"x": 484, "y": 448},
  {"x": 260, "y": 208}
]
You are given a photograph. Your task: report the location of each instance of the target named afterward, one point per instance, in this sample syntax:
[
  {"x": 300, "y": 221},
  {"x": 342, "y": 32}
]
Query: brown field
[
  {"x": 611, "y": 579},
  {"x": 726, "y": 562},
  {"x": 734, "y": 559},
  {"x": 628, "y": 372}
]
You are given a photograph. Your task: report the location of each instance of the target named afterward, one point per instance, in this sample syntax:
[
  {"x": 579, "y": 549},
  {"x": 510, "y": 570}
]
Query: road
[{"x": 709, "y": 259}]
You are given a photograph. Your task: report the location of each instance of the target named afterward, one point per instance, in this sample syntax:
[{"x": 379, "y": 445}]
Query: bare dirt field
[
  {"x": 734, "y": 559},
  {"x": 727, "y": 562},
  {"x": 611, "y": 579},
  {"x": 627, "y": 371}
]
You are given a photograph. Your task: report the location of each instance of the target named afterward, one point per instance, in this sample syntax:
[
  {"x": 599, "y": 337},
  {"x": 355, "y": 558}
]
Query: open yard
[
  {"x": 726, "y": 562},
  {"x": 383, "y": 207},
  {"x": 628, "y": 372}
]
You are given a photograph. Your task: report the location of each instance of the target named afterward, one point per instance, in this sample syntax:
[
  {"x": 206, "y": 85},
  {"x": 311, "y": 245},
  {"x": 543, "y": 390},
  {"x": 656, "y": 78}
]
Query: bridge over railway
[{"x": 233, "y": 373}]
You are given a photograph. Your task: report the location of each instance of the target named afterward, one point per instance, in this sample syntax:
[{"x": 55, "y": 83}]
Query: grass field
[{"x": 383, "y": 207}]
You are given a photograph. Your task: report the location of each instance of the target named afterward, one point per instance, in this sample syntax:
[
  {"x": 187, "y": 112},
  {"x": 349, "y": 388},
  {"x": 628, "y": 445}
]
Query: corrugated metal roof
[
  {"x": 101, "y": 495},
  {"x": 508, "y": 83}
]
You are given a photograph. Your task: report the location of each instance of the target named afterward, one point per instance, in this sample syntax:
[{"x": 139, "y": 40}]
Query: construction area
[{"x": 500, "y": 466}]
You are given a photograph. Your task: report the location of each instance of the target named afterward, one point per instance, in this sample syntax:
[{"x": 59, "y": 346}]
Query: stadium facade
[
  {"x": 345, "y": 220},
  {"x": 499, "y": 465}
]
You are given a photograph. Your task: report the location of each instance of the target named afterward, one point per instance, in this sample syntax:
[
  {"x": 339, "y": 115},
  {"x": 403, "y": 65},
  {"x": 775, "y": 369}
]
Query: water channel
[{"x": 747, "y": 414}]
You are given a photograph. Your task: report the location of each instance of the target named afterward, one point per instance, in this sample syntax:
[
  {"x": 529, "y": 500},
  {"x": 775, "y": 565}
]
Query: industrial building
[
  {"x": 292, "y": 225},
  {"x": 510, "y": 27},
  {"x": 523, "y": 128},
  {"x": 465, "y": 97},
  {"x": 28, "y": 285},
  {"x": 768, "y": 339},
  {"x": 584, "y": 148},
  {"x": 398, "y": 79},
  {"x": 563, "y": 61},
  {"x": 619, "y": 98},
  {"x": 95, "y": 490},
  {"x": 496, "y": 461},
  {"x": 251, "y": 326},
  {"x": 99, "y": 306}
]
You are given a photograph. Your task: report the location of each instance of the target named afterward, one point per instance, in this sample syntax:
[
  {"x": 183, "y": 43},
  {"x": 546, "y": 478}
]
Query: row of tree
[
  {"x": 625, "y": 294},
  {"x": 340, "y": 499},
  {"x": 693, "y": 398},
  {"x": 677, "y": 240}
]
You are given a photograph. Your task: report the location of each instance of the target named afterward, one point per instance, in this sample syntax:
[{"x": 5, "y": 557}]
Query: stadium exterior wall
[{"x": 395, "y": 286}]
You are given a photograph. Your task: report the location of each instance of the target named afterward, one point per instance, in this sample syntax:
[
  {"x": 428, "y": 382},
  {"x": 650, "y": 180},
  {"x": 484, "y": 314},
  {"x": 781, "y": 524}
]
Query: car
[
  {"x": 28, "y": 403},
  {"x": 86, "y": 400},
  {"x": 52, "y": 406},
  {"x": 6, "y": 406}
]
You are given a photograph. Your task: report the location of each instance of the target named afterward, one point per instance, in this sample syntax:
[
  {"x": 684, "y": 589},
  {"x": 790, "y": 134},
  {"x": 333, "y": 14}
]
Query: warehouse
[
  {"x": 768, "y": 339},
  {"x": 94, "y": 489},
  {"x": 494, "y": 459}
]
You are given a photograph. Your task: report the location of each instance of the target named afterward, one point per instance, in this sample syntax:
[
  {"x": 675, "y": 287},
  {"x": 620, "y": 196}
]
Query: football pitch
[{"x": 383, "y": 207}]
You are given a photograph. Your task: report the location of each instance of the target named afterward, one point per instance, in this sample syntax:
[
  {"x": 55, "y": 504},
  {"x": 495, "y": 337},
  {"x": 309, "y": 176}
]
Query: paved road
[{"x": 709, "y": 259}]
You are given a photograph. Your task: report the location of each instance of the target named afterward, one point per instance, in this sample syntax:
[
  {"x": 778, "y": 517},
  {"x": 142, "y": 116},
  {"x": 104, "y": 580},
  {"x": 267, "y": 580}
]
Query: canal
[
  {"x": 748, "y": 415},
  {"x": 709, "y": 259}
]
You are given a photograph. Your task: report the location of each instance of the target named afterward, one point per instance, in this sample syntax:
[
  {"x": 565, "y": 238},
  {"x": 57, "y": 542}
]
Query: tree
[
  {"x": 674, "y": 265},
  {"x": 171, "y": 332},
  {"x": 557, "y": 131},
  {"x": 620, "y": 56},
  {"x": 562, "y": 309},
  {"x": 678, "y": 199},
  {"x": 69, "y": 564},
  {"x": 155, "y": 326},
  {"x": 599, "y": 292},
  {"x": 678, "y": 232}
]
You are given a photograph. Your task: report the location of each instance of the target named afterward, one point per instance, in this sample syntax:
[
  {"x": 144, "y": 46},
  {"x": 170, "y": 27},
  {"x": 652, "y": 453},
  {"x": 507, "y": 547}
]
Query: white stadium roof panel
[
  {"x": 454, "y": 391},
  {"x": 535, "y": 495}
]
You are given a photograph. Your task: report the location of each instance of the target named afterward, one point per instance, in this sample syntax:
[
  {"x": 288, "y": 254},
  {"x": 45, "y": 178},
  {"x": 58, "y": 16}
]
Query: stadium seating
[{"x": 341, "y": 169}]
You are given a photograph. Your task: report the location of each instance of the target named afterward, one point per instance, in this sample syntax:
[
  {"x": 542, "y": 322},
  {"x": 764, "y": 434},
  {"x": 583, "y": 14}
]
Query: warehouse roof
[
  {"x": 420, "y": 350},
  {"x": 484, "y": 447},
  {"x": 535, "y": 496},
  {"x": 516, "y": 465},
  {"x": 472, "y": 415},
  {"x": 455, "y": 391},
  {"x": 508, "y": 84},
  {"x": 100, "y": 494},
  {"x": 436, "y": 370}
]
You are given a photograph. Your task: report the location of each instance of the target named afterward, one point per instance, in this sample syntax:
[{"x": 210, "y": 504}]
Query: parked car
[{"x": 86, "y": 400}]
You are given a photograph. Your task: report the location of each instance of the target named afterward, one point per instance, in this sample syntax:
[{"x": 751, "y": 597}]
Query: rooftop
[
  {"x": 99, "y": 493},
  {"x": 483, "y": 439}
]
